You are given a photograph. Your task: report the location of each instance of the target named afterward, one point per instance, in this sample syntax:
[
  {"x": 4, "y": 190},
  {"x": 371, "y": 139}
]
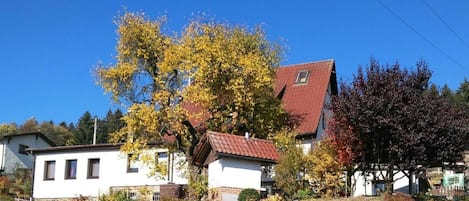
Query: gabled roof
[
  {"x": 306, "y": 100},
  {"x": 234, "y": 146},
  {"x": 8, "y": 137}
]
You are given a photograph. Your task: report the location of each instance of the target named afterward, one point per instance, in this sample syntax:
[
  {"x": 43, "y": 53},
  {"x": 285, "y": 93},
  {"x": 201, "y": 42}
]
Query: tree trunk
[
  {"x": 411, "y": 182},
  {"x": 389, "y": 180}
]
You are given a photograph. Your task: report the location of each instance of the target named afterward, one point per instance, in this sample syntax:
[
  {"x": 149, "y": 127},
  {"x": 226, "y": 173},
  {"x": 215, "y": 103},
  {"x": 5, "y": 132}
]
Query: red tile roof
[
  {"x": 306, "y": 100},
  {"x": 303, "y": 100},
  {"x": 228, "y": 145}
]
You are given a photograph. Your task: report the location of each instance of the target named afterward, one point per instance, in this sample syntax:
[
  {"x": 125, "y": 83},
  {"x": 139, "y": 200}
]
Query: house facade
[
  {"x": 305, "y": 91},
  {"x": 13, "y": 152},
  {"x": 93, "y": 170},
  {"x": 372, "y": 183},
  {"x": 233, "y": 162}
]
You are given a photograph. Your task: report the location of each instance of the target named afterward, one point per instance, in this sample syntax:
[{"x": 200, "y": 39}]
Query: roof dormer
[{"x": 302, "y": 77}]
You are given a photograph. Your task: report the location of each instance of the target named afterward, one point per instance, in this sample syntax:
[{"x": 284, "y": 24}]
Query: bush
[
  {"x": 249, "y": 194},
  {"x": 398, "y": 197},
  {"x": 275, "y": 197}
]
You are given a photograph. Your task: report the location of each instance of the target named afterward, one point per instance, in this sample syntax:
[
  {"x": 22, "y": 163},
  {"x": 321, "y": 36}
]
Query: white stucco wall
[
  {"x": 112, "y": 173},
  {"x": 2, "y": 156},
  {"x": 306, "y": 145},
  {"x": 12, "y": 158},
  {"x": 363, "y": 185},
  {"x": 236, "y": 173}
]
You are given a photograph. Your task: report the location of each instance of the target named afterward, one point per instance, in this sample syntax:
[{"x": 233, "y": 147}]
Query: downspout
[
  {"x": 32, "y": 176},
  {"x": 172, "y": 167},
  {"x": 4, "y": 155},
  {"x": 169, "y": 167}
]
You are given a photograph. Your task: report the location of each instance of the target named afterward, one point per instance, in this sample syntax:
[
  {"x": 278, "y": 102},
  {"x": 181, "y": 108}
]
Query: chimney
[{"x": 246, "y": 135}]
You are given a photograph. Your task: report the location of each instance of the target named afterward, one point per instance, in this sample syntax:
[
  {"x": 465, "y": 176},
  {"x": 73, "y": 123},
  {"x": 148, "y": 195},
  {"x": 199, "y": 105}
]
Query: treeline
[
  {"x": 459, "y": 96},
  {"x": 77, "y": 133}
]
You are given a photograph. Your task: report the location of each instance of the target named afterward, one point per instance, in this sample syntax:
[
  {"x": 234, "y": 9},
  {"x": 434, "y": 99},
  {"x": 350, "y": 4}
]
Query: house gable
[
  {"x": 14, "y": 150},
  {"x": 303, "y": 90},
  {"x": 214, "y": 145}
]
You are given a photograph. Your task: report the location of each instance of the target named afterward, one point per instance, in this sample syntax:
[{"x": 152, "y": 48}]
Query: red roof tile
[
  {"x": 235, "y": 146},
  {"x": 303, "y": 100},
  {"x": 306, "y": 100}
]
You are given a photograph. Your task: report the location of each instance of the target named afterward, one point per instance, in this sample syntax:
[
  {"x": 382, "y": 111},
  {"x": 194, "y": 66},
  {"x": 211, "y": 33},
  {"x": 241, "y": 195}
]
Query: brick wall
[{"x": 216, "y": 194}]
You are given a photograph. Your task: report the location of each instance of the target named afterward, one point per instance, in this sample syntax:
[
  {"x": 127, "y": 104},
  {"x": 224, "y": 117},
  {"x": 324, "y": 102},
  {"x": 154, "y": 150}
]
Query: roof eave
[{"x": 264, "y": 160}]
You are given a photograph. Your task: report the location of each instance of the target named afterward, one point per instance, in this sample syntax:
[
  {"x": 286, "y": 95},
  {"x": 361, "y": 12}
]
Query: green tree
[
  {"x": 83, "y": 133},
  {"x": 110, "y": 124},
  {"x": 58, "y": 134},
  {"x": 292, "y": 165},
  {"x": 8, "y": 129},
  {"x": 462, "y": 93}
]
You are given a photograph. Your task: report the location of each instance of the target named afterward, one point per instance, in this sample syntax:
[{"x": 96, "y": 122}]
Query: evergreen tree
[{"x": 83, "y": 133}]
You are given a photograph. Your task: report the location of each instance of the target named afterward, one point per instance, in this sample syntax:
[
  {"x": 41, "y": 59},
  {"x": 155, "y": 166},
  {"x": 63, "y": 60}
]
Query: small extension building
[{"x": 234, "y": 163}]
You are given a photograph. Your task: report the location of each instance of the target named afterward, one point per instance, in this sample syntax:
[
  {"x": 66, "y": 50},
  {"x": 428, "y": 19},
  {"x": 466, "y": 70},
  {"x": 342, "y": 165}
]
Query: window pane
[
  {"x": 302, "y": 77},
  {"x": 49, "y": 171},
  {"x": 22, "y": 149},
  {"x": 93, "y": 168},
  {"x": 132, "y": 164},
  {"x": 71, "y": 169}
]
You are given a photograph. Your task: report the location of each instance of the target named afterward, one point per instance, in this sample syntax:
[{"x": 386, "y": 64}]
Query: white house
[
  {"x": 366, "y": 184},
  {"x": 234, "y": 163},
  {"x": 305, "y": 91},
  {"x": 66, "y": 172},
  {"x": 13, "y": 152}
]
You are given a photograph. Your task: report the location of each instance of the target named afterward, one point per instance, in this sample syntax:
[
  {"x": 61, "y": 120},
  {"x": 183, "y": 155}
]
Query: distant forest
[{"x": 77, "y": 133}]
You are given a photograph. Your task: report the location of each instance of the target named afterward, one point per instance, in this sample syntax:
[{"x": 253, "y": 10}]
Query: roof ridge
[
  {"x": 310, "y": 62},
  {"x": 238, "y": 136}
]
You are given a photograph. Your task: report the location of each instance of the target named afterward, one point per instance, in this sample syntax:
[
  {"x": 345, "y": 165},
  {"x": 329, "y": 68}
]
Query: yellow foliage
[
  {"x": 226, "y": 70},
  {"x": 325, "y": 170}
]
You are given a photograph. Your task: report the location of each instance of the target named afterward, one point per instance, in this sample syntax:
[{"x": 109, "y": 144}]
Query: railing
[{"x": 449, "y": 192}]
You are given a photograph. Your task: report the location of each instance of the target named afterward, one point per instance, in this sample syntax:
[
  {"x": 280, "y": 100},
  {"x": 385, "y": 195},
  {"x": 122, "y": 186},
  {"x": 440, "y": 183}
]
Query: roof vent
[
  {"x": 246, "y": 135},
  {"x": 302, "y": 77}
]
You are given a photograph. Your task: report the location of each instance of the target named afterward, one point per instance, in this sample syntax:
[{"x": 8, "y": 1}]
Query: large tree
[
  {"x": 391, "y": 120},
  {"x": 225, "y": 71}
]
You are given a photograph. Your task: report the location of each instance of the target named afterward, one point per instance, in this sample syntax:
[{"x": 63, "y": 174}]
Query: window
[
  {"x": 49, "y": 170},
  {"x": 161, "y": 156},
  {"x": 93, "y": 168},
  {"x": 132, "y": 163},
  {"x": 156, "y": 196},
  {"x": 302, "y": 77},
  {"x": 71, "y": 169},
  {"x": 22, "y": 149}
]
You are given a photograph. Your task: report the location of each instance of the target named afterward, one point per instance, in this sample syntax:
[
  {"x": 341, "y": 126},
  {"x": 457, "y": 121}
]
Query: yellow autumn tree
[
  {"x": 325, "y": 170},
  {"x": 226, "y": 71}
]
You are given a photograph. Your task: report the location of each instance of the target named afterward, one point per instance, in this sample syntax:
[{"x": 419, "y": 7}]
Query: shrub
[
  {"x": 275, "y": 197},
  {"x": 249, "y": 194}
]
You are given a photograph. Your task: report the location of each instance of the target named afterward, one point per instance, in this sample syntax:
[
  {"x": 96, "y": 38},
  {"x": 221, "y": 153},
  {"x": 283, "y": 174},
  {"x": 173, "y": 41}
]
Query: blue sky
[{"x": 48, "y": 48}]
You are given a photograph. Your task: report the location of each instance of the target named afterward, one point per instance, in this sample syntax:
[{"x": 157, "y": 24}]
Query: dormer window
[{"x": 302, "y": 77}]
